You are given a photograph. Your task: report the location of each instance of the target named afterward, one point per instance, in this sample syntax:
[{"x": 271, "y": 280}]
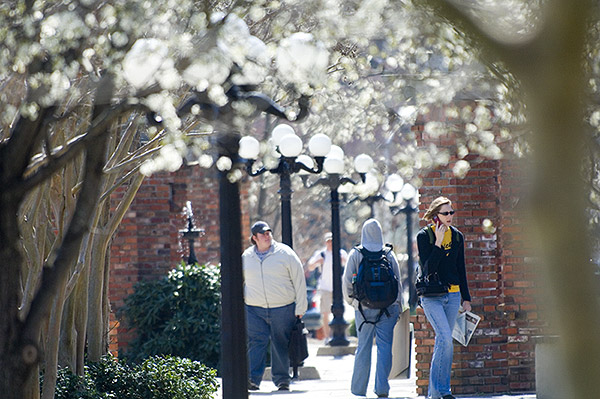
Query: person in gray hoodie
[
  {"x": 275, "y": 294},
  {"x": 383, "y": 330}
]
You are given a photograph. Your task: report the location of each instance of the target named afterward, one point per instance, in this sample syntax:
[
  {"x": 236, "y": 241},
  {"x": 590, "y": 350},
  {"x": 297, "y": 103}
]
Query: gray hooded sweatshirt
[{"x": 371, "y": 240}]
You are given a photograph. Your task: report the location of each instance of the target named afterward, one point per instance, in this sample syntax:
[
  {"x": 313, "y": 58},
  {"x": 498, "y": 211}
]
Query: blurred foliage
[
  {"x": 158, "y": 377},
  {"x": 178, "y": 315}
]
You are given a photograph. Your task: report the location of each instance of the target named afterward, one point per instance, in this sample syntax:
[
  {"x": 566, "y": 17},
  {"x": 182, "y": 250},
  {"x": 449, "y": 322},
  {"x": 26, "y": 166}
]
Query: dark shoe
[
  {"x": 252, "y": 386},
  {"x": 382, "y": 395},
  {"x": 284, "y": 386},
  {"x": 448, "y": 397}
]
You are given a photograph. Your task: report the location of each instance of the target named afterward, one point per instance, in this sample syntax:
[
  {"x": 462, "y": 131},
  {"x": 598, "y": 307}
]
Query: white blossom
[
  {"x": 224, "y": 163},
  {"x": 168, "y": 159},
  {"x": 300, "y": 58},
  {"x": 461, "y": 168},
  {"x": 144, "y": 61}
]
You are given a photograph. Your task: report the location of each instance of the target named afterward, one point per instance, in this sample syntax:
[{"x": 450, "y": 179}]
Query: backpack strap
[
  {"x": 381, "y": 312},
  {"x": 430, "y": 233},
  {"x": 387, "y": 248}
]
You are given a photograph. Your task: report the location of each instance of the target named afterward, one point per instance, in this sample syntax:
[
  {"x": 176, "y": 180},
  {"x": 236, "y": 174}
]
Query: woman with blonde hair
[{"x": 442, "y": 248}]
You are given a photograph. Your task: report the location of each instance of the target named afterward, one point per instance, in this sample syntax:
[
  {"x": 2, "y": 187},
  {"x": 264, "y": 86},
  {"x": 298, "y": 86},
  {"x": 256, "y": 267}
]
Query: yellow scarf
[{"x": 447, "y": 241}]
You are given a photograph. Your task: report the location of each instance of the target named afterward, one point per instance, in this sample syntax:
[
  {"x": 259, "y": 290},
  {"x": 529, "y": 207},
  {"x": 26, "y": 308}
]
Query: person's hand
[
  {"x": 466, "y": 306},
  {"x": 440, "y": 230},
  {"x": 299, "y": 316}
]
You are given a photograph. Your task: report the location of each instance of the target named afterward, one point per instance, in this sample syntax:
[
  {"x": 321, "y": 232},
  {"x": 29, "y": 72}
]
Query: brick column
[{"x": 500, "y": 357}]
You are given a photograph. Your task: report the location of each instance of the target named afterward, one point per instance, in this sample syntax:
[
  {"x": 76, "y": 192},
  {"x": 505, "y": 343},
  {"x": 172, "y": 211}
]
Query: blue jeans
[
  {"x": 441, "y": 313},
  {"x": 274, "y": 325},
  {"x": 384, "y": 333}
]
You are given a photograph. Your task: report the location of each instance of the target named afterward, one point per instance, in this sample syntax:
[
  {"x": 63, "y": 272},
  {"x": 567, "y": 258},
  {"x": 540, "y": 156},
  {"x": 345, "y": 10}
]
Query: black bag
[
  {"x": 376, "y": 285},
  {"x": 430, "y": 285},
  {"x": 298, "y": 346}
]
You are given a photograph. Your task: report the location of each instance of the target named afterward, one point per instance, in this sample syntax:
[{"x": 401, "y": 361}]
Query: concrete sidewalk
[{"x": 334, "y": 374}]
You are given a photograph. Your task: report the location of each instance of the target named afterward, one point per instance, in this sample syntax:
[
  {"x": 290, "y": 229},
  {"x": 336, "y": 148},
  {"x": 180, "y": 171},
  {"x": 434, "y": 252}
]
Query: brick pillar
[
  {"x": 148, "y": 243},
  {"x": 500, "y": 357}
]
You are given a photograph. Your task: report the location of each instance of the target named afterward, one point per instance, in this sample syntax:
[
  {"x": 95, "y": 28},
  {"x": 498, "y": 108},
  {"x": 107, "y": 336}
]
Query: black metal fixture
[
  {"x": 288, "y": 147},
  {"x": 334, "y": 166},
  {"x": 234, "y": 368},
  {"x": 191, "y": 233}
]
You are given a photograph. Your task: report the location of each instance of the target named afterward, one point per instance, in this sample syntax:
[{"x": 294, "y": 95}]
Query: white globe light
[
  {"x": 249, "y": 147},
  {"x": 394, "y": 183},
  {"x": 336, "y": 152},
  {"x": 371, "y": 185},
  {"x": 363, "y": 163},
  {"x": 345, "y": 188},
  {"x": 290, "y": 145},
  {"x": 280, "y": 131},
  {"x": 334, "y": 166},
  {"x": 307, "y": 161},
  {"x": 319, "y": 145},
  {"x": 408, "y": 192},
  {"x": 389, "y": 197}
]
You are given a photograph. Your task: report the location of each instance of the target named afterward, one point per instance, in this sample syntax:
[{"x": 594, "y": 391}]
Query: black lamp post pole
[
  {"x": 412, "y": 293},
  {"x": 285, "y": 191},
  {"x": 338, "y": 324},
  {"x": 234, "y": 367}
]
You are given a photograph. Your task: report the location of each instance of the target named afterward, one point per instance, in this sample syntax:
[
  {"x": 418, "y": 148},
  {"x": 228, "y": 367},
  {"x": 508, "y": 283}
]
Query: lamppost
[
  {"x": 407, "y": 192},
  {"x": 288, "y": 147},
  {"x": 191, "y": 233},
  {"x": 334, "y": 166},
  {"x": 234, "y": 368}
]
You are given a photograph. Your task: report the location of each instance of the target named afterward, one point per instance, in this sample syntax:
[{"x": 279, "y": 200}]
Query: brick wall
[
  {"x": 500, "y": 357},
  {"x": 148, "y": 243}
]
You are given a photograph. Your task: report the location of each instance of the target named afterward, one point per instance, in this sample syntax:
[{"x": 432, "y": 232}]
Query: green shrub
[
  {"x": 72, "y": 386},
  {"x": 178, "y": 315},
  {"x": 110, "y": 375},
  {"x": 158, "y": 377},
  {"x": 176, "y": 378}
]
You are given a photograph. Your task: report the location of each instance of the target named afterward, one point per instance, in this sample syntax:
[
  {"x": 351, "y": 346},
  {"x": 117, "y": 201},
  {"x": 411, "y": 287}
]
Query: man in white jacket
[{"x": 275, "y": 293}]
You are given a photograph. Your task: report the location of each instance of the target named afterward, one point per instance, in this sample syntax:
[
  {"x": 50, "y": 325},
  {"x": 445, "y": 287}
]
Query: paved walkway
[{"x": 335, "y": 373}]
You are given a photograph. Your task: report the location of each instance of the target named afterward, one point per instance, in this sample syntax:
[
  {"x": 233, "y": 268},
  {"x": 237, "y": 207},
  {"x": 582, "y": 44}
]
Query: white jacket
[{"x": 276, "y": 281}]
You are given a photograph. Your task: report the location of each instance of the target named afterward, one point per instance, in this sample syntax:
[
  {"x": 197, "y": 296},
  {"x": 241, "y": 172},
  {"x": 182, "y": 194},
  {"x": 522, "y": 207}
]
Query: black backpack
[{"x": 375, "y": 285}]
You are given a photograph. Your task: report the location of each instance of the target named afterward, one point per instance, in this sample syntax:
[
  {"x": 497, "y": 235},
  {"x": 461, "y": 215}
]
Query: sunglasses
[{"x": 446, "y": 213}]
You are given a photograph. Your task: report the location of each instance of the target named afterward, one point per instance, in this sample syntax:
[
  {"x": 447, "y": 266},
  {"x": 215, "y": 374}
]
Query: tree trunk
[
  {"x": 19, "y": 354},
  {"x": 51, "y": 352},
  {"x": 96, "y": 327}
]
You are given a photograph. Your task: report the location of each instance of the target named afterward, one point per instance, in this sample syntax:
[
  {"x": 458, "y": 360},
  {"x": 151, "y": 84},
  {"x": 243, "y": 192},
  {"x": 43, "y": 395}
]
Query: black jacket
[{"x": 449, "y": 264}]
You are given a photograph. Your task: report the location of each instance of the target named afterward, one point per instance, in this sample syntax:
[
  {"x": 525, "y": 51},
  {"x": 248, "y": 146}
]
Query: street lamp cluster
[
  {"x": 329, "y": 158},
  {"x": 288, "y": 147},
  {"x": 334, "y": 166},
  {"x": 285, "y": 151}
]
